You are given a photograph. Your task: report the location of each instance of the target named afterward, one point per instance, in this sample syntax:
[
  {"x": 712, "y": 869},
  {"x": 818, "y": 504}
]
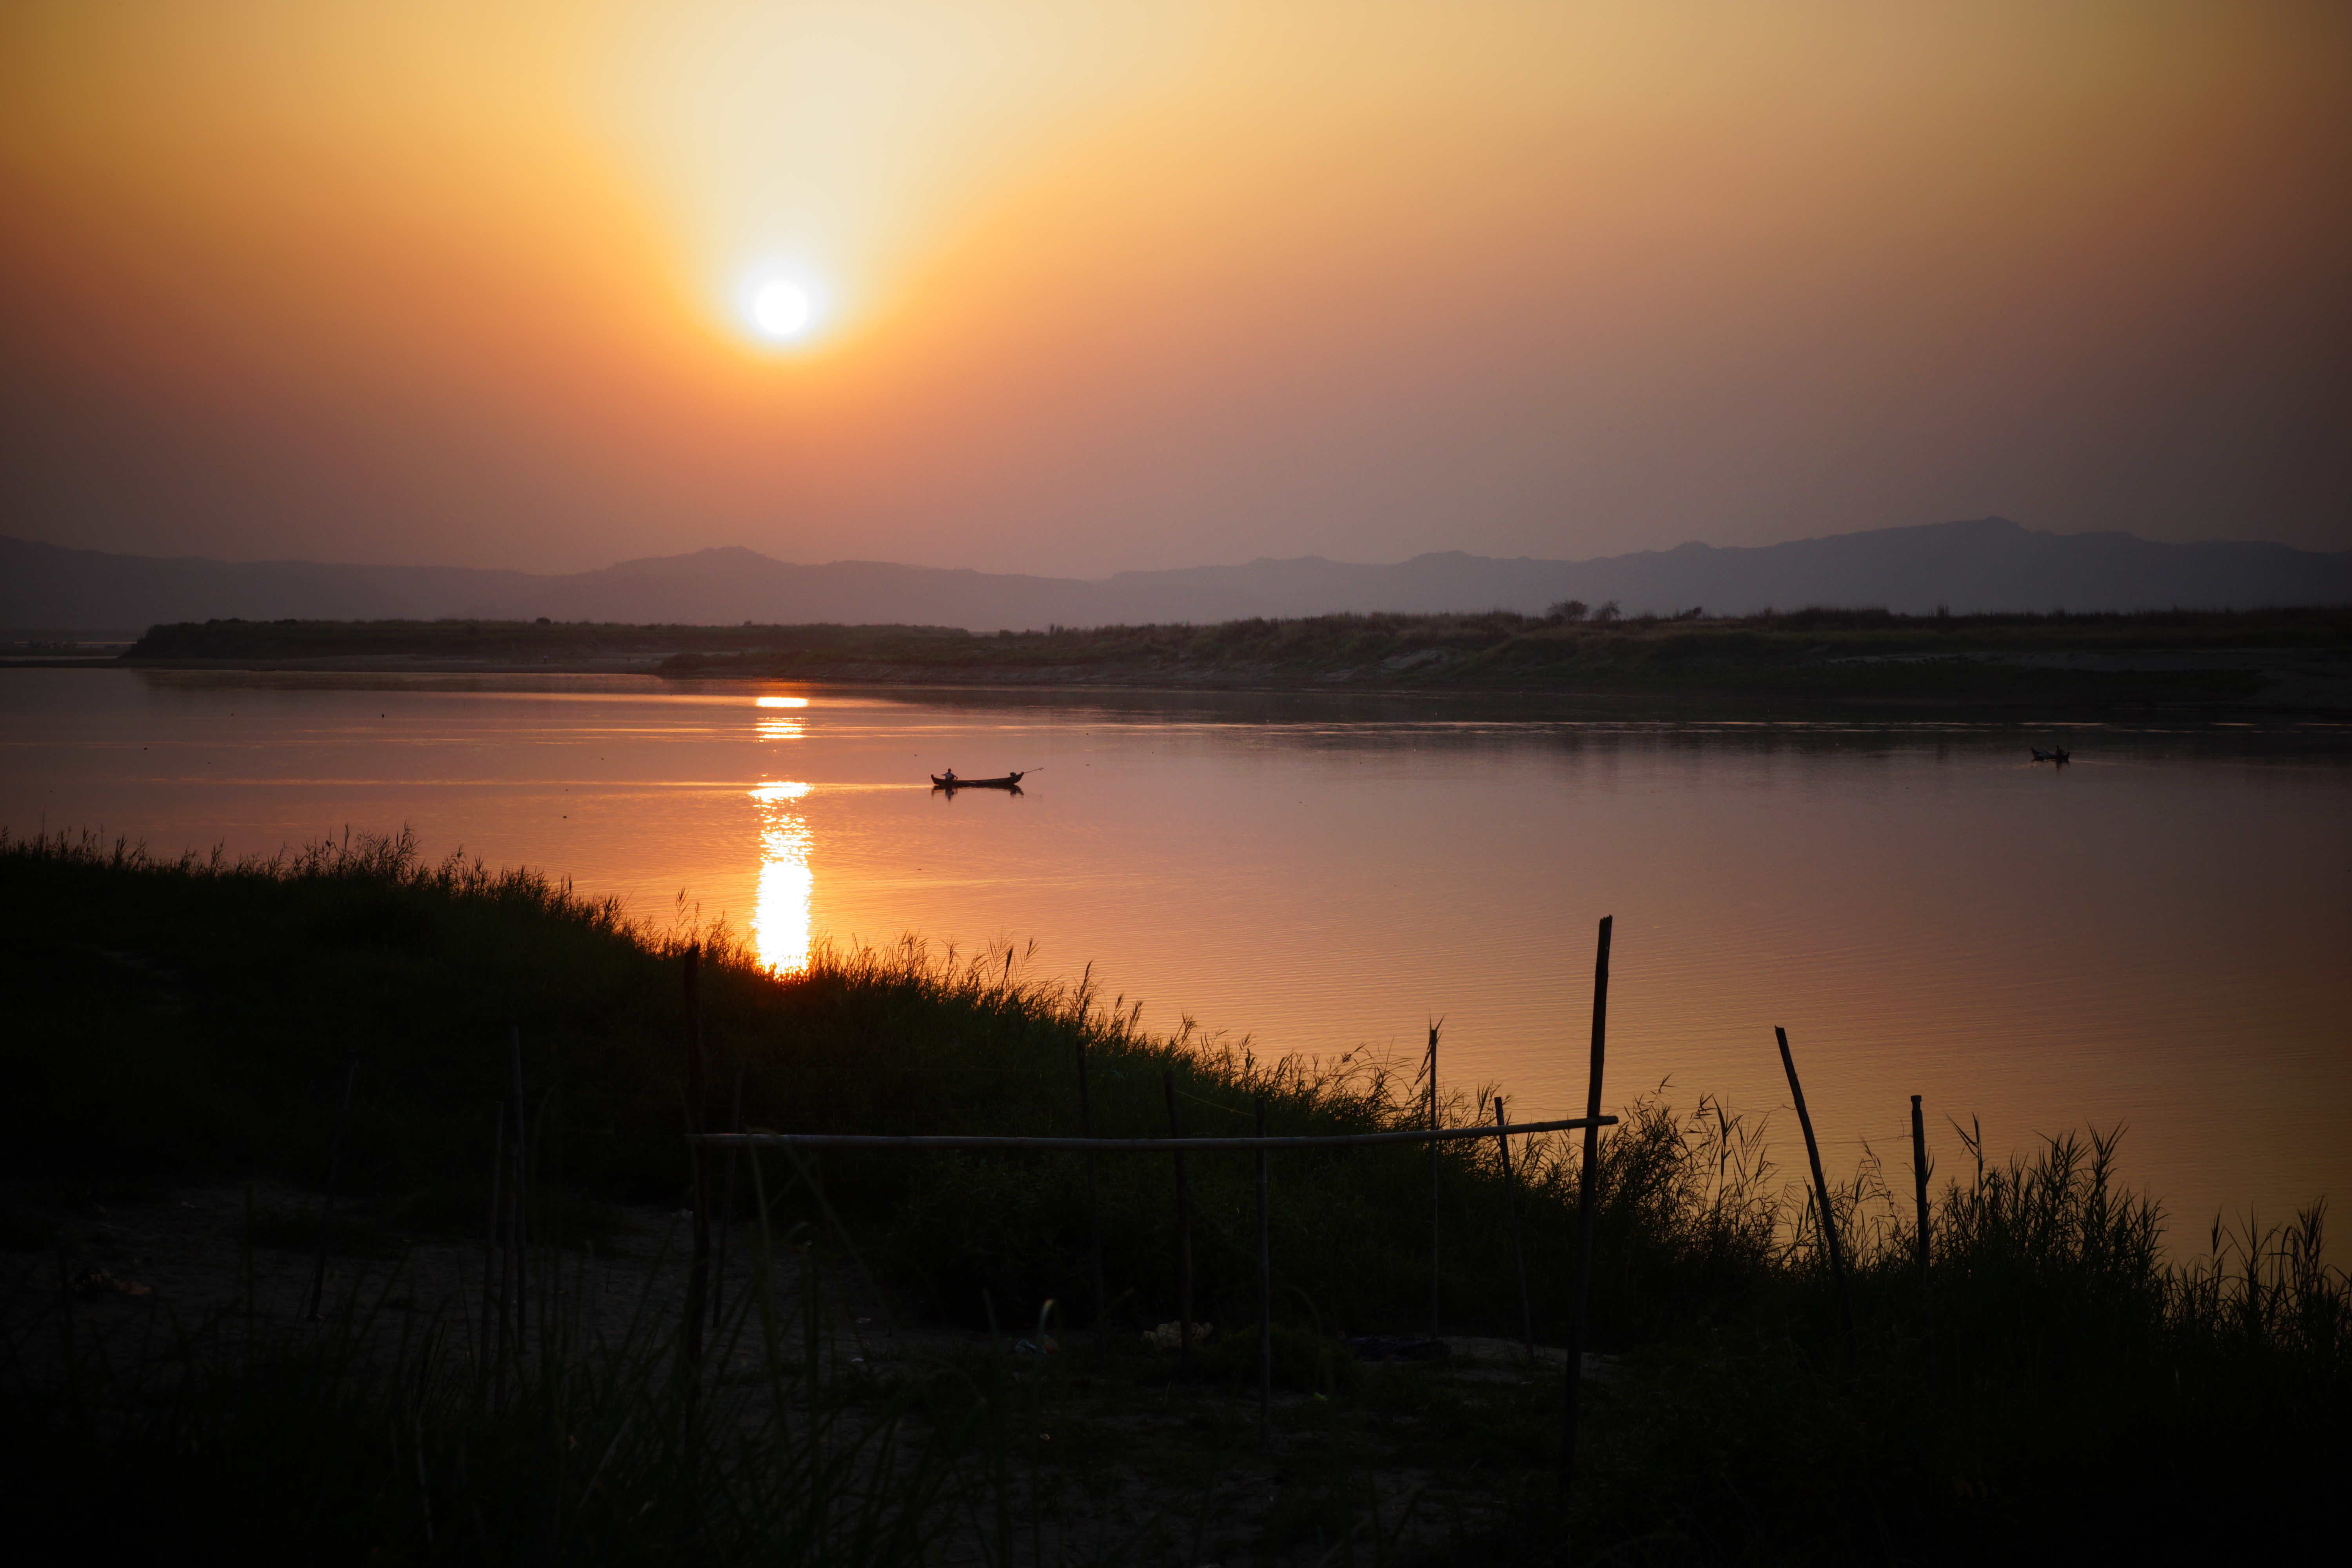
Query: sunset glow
[
  {"x": 550, "y": 286},
  {"x": 1731, "y": 614}
]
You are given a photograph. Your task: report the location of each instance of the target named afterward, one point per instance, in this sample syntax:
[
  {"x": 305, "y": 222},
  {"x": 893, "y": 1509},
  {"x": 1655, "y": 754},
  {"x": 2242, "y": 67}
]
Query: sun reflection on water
[{"x": 780, "y": 913}]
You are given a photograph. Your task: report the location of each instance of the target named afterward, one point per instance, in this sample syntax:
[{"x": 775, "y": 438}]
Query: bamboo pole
[
  {"x": 1183, "y": 1231},
  {"x": 1264, "y": 1296},
  {"x": 1821, "y": 1184},
  {"x": 698, "y": 1279},
  {"x": 981, "y": 1142},
  {"x": 1584, "y": 1200},
  {"x": 1919, "y": 1193},
  {"x": 727, "y": 1210},
  {"x": 519, "y": 1237},
  {"x": 334, "y": 1173},
  {"x": 491, "y": 1343},
  {"x": 1511, "y": 1217},
  {"x": 1093, "y": 1198},
  {"x": 1435, "y": 1274}
]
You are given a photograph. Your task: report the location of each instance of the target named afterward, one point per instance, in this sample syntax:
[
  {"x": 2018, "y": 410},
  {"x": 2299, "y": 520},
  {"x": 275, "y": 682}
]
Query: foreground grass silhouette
[{"x": 186, "y": 1021}]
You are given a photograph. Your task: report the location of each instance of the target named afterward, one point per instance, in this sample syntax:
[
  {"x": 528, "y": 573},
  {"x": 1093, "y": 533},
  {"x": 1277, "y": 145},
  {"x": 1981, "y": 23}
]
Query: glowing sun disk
[{"x": 781, "y": 310}]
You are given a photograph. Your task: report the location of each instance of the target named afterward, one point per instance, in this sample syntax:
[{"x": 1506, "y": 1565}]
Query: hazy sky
[{"x": 1090, "y": 286}]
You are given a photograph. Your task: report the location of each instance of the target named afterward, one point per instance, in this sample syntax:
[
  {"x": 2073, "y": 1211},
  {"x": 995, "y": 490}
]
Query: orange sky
[{"x": 466, "y": 284}]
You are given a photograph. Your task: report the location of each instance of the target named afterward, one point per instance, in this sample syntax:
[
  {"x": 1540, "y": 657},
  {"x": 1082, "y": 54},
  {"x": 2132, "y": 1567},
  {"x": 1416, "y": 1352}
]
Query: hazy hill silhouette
[{"x": 1987, "y": 563}]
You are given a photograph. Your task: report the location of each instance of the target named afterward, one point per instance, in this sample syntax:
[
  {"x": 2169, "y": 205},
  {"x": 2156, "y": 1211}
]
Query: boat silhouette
[{"x": 950, "y": 782}]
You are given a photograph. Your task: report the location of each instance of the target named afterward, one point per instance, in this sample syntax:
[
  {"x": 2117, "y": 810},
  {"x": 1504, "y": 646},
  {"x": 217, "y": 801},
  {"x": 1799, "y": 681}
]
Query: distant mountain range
[{"x": 1989, "y": 563}]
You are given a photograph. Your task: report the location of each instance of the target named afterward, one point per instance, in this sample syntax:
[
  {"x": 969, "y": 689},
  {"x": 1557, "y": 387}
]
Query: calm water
[{"x": 2157, "y": 935}]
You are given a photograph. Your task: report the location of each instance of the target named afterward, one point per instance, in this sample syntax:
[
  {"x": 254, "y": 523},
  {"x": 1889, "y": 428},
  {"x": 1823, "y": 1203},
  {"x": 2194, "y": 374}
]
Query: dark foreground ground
[
  {"x": 2286, "y": 659},
  {"x": 2059, "y": 1385}
]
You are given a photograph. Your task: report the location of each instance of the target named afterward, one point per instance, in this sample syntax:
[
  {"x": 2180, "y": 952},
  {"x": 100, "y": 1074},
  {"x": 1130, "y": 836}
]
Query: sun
[{"x": 782, "y": 310}]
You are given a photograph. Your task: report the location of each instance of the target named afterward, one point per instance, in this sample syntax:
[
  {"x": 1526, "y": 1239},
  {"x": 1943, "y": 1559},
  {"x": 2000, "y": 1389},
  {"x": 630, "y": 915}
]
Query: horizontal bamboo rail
[{"x": 1130, "y": 1146}]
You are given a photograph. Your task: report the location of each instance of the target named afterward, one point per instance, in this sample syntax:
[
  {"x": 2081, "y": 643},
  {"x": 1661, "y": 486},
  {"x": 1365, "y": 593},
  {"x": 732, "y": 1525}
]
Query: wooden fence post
[
  {"x": 726, "y": 1213},
  {"x": 1264, "y": 1298},
  {"x": 1511, "y": 1216},
  {"x": 1183, "y": 1231},
  {"x": 1584, "y": 1201},
  {"x": 334, "y": 1173},
  {"x": 1821, "y": 1184},
  {"x": 1094, "y": 1204},
  {"x": 492, "y": 1345},
  {"x": 697, "y": 1277},
  {"x": 1435, "y": 1274},
  {"x": 519, "y": 1225},
  {"x": 1919, "y": 1191}
]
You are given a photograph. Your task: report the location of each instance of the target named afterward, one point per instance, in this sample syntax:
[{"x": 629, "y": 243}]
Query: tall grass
[
  {"x": 206, "y": 1031},
  {"x": 2070, "y": 1392},
  {"x": 2065, "y": 1382}
]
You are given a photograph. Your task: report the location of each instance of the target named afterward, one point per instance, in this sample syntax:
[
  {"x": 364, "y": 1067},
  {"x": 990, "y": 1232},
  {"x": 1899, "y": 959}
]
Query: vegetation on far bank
[
  {"x": 517, "y": 642},
  {"x": 1500, "y": 648},
  {"x": 1828, "y": 653},
  {"x": 2074, "y": 1390}
]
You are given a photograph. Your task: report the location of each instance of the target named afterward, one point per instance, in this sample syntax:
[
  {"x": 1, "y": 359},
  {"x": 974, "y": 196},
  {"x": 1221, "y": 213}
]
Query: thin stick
[
  {"x": 1584, "y": 1217},
  {"x": 334, "y": 1172},
  {"x": 1434, "y": 1221},
  {"x": 923, "y": 1141},
  {"x": 1264, "y": 1297},
  {"x": 1094, "y": 1199},
  {"x": 698, "y": 1279},
  {"x": 520, "y": 1243},
  {"x": 511, "y": 1273},
  {"x": 1821, "y": 1183},
  {"x": 1183, "y": 1234},
  {"x": 1511, "y": 1214},
  {"x": 1919, "y": 1189},
  {"x": 490, "y": 1239},
  {"x": 727, "y": 1209}
]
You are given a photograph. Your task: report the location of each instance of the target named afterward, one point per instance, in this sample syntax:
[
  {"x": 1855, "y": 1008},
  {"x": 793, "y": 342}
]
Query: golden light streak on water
[{"x": 780, "y": 912}]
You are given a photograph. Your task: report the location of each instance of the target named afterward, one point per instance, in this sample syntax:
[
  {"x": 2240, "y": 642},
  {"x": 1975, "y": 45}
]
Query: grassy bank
[
  {"x": 2075, "y": 1388},
  {"x": 210, "y": 1011},
  {"x": 1799, "y": 655}
]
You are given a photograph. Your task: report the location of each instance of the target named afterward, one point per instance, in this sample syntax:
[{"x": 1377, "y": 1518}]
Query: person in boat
[{"x": 948, "y": 778}]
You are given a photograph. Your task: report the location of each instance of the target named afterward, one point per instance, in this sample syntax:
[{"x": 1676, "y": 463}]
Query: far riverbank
[{"x": 2282, "y": 661}]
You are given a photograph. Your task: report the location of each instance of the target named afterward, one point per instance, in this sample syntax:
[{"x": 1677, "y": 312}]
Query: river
[{"x": 2154, "y": 936}]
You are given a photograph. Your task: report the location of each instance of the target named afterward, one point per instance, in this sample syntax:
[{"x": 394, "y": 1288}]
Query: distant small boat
[
  {"x": 2039, "y": 755},
  {"x": 1010, "y": 781}
]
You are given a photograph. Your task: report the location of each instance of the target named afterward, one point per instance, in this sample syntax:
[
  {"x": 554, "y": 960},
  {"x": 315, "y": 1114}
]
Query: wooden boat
[
  {"x": 1010, "y": 781},
  {"x": 2059, "y": 755}
]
